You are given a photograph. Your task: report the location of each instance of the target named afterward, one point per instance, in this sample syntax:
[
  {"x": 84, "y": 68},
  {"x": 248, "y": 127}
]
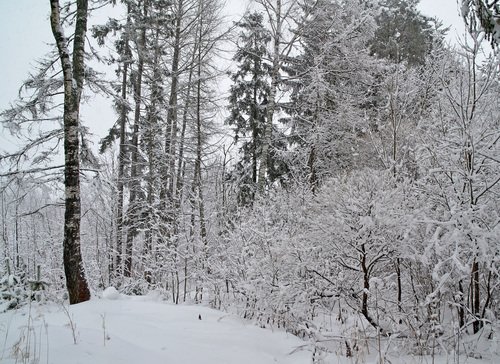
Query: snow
[
  {"x": 111, "y": 293},
  {"x": 123, "y": 329},
  {"x": 145, "y": 329}
]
